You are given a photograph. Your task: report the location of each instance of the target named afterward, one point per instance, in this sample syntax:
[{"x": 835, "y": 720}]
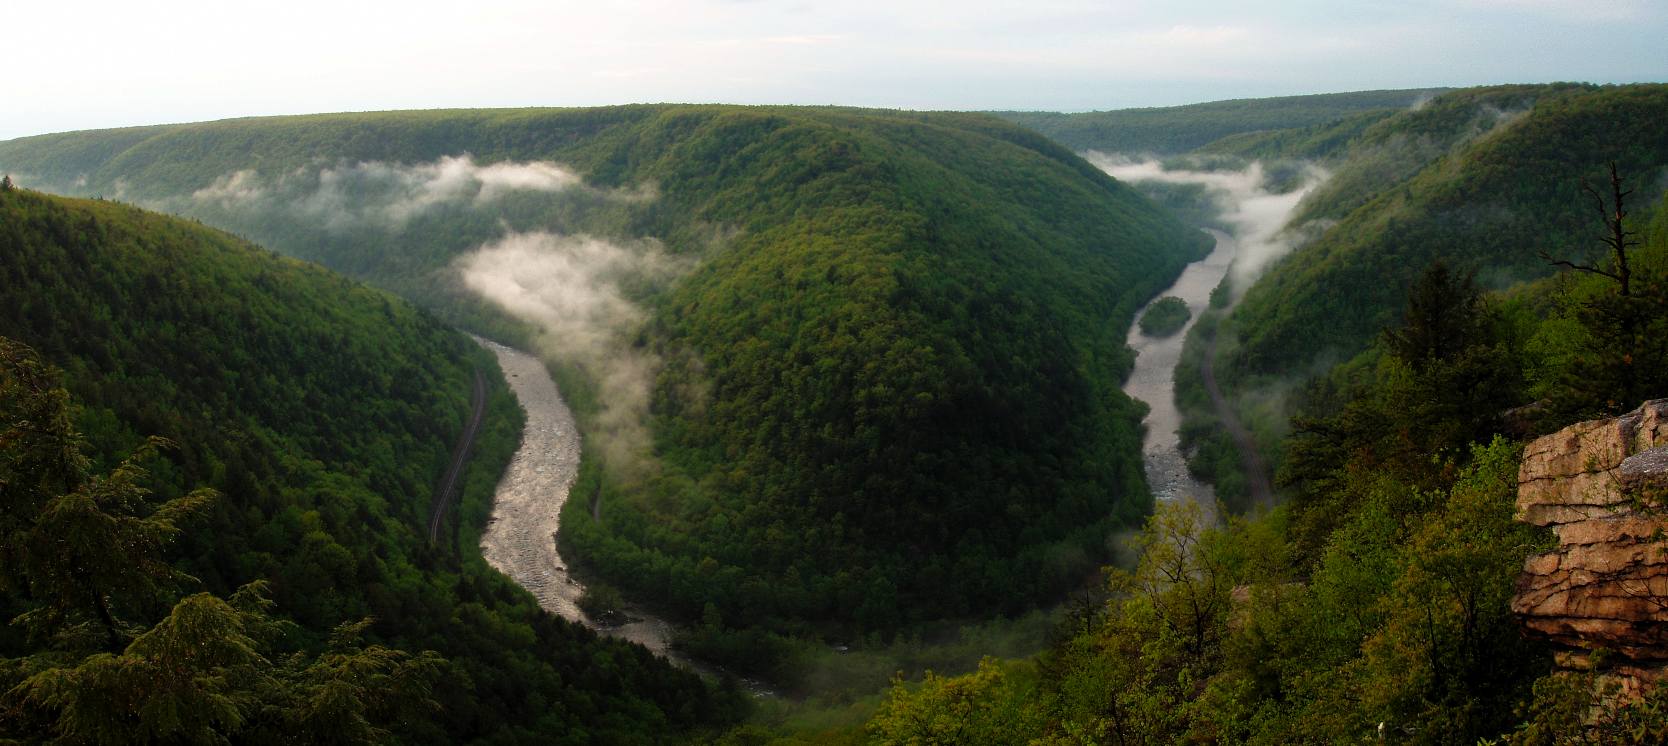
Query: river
[
  {"x": 526, "y": 513},
  {"x": 527, "y": 508},
  {"x": 1153, "y": 379}
]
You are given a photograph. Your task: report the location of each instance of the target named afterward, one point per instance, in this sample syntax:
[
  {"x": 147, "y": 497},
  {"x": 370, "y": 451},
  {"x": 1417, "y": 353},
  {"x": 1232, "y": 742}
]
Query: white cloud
[
  {"x": 1258, "y": 216},
  {"x": 389, "y": 194},
  {"x": 573, "y": 290}
]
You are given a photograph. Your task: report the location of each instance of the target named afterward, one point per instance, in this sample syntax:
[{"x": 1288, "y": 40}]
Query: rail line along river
[
  {"x": 1153, "y": 379},
  {"x": 526, "y": 509}
]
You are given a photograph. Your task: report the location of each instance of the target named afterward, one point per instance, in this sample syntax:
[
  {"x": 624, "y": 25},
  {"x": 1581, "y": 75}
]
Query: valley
[
  {"x": 832, "y": 405},
  {"x": 1153, "y": 379},
  {"x": 520, "y": 537}
]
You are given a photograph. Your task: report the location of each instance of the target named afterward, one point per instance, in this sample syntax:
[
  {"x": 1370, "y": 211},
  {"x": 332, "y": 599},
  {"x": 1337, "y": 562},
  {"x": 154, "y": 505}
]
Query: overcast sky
[{"x": 72, "y": 65}]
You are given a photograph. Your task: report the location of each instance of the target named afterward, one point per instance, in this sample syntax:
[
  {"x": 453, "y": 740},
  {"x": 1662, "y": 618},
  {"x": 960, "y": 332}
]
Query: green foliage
[
  {"x": 91, "y": 556},
  {"x": 989, "y": 706},
  {"x": 1438, "y": 382},
  {"x": 323, "y": 411},
  {"x": 890, "y": 388},
  {"x": 1585, "y": 709},
  {"x": 1222, "y": 295},
  {"x": 1165, "y": 317},
  {"x": 1327, "y": 141},
  {"x": 600, "y": 601},
  {"x": 1223, "y": 634},
  {"x": 1614, "y": 324},
  {"x": 1179, "y": 129},
  {"x": 1482, "y": 177}
]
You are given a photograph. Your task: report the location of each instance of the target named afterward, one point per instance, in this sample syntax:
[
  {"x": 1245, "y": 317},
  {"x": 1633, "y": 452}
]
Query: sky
[{"x": 80, "y": 65}]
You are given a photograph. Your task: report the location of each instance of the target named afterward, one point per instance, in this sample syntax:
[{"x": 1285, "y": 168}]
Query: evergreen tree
[
  {"x": 87, "y": 553},
  {"x": 1622, "y": 356}
]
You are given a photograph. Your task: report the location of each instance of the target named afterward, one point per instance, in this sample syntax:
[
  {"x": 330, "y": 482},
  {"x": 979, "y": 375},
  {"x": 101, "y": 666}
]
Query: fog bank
[
  {"x": 378, "y": 193},
  {"x": 577, "y": 291},
  {"x": 1258, "y": 217}
]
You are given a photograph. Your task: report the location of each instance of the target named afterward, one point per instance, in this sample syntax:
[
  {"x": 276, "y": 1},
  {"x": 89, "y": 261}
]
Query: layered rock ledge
[{"x": 1599, "y": 486}]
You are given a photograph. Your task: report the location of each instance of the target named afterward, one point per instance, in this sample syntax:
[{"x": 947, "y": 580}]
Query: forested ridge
[
  {"x": 1374, "y": 604},
  {"x": 1526, "y": 235},
  {"x": 307, "y": 419},
  {"x": 890, "y": 380},
  {"x": 1488, "y": 179},
  {"x": 1170, "y": 130},
  {"x": 1499, "y": 182},
  {"x": 886, "y": 362}
]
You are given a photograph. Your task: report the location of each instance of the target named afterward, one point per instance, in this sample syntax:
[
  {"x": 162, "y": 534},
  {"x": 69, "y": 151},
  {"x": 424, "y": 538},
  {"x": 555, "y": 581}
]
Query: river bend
[{"x": 520, "y": 539}]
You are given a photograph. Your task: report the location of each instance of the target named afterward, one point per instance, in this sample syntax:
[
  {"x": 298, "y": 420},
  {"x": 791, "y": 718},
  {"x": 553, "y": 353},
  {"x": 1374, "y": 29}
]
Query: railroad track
[{"x": 460, "y": 454}]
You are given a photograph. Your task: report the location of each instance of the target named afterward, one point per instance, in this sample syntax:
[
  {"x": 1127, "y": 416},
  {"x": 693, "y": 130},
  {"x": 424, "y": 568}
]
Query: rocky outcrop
[{"x": 1600, "y": 486}]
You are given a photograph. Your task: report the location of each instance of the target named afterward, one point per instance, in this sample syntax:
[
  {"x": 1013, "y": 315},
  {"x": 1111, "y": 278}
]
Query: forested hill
[
  {"x": 1485, "y": 179},
  {"x": 885, "y": 347},
  {"x": 1178, "y": 129},
  {"x": 322, "y": 411},
  {"x": 1393, "y": 594}
]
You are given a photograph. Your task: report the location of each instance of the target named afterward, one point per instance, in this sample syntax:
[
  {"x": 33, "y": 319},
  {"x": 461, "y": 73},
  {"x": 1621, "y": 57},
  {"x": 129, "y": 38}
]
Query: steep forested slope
[
  {"x": 1378, "y": 603},
  {"x": 323, "y": 412},
  {"x": 886, "y": 355},
  {"x": 1178, "y": 129},
  {"x": 1485, "y": 179}
]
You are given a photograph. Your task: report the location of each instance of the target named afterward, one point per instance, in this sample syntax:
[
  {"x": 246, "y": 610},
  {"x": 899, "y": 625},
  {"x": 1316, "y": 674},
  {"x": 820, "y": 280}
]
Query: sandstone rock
[
  {"x": 1600, "y": 486},
  {"x": 1645, "y": 473}
]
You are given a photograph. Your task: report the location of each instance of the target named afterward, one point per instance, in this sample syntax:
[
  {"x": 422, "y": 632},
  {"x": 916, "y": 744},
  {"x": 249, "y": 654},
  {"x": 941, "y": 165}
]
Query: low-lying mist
[
  {"x": 1258, "y": 216},
  {"x": 378, "y": 193},
  {"x": 576, "y": 291},
  {"x": 529, "y": 238}
]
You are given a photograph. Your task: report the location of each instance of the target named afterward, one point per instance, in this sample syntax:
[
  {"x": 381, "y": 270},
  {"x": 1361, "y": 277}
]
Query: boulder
[{"x": 1599, "y": 486}]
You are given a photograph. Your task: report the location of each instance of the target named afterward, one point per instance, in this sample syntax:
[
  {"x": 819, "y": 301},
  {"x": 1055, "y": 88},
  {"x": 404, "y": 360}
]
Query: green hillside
[
  {"x": 886, "y": 362},
  {"x": 1376, "y": 604},
  {"x": 1178, "y": 129},
  {"x": 1484, "y": 178},
  {"x": 323, "y": 412}
]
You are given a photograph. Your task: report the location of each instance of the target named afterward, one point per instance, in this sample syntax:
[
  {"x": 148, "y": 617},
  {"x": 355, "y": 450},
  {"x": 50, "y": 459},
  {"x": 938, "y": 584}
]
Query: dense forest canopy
[
  {"x": 1488, "y": 179},
  {"x": 859, "y": 371},
  {"x": 316, "y": 415},
  {"x": 1376, "y": 603},
  {"x": 1525, "y": 232},
  {"x": 1178, "y": 129},
  {"x": 1490, "y": 196},
  {"x": 879, "y": 352}
]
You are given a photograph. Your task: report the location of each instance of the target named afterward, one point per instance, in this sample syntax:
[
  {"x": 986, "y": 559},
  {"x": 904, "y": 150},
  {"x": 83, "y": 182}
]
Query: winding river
[
  {"x": 520, "y": 538},
  {"x": 1153, "y": 379},
  {"x": 527, "y": 508}
]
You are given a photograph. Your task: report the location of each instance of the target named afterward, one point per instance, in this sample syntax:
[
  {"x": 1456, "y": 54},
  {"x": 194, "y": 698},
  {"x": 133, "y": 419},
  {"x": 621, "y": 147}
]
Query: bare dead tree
[{"x": 1617, "y": 238}]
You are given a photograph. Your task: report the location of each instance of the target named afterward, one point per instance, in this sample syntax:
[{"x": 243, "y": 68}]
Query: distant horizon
[
  {"x": 1133, "y": 106},
  {"x": 101, "y": 64}
]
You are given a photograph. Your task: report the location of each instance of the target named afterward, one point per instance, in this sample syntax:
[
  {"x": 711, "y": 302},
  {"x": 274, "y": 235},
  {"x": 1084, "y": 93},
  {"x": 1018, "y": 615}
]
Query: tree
[
  {"x": 1444, "y": 315},
  {"x": 86, "y": 548},
  {"x": 1182, "y": 575},
  {"x": 87, "y": 551},
  {"x": 1616, "y": 237},
  {"x": 1619, "y": 358},
  {"x": 1439, "y": 382},
  {"x": 6, "y": 183},
  {"x": 989, "y": 706}
]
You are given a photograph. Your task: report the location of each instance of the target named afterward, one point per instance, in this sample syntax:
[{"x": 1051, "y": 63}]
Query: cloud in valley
[
  {"x": 386, "y": 194},
  {"x": 576, "y": 290},
  {"x": 1259, "y": 217}
]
